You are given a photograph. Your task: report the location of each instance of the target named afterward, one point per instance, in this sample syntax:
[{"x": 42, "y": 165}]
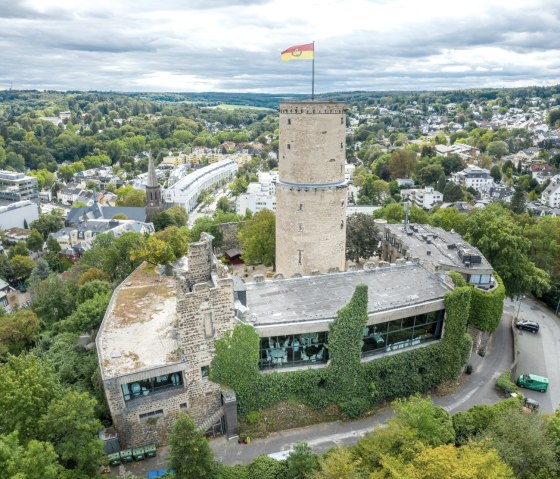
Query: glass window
[
  {"x": 146, "y": 415},
  {"x": 145, "y": 387},
  {"x": 205, "y": 371}
]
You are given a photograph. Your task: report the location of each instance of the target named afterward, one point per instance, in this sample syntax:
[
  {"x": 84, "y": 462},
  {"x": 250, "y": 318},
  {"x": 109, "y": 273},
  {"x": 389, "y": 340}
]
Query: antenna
[{"x": 406, "y": 210}]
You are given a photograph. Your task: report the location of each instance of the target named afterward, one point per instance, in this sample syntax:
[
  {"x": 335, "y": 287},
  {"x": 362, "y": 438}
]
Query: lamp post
[{"x": 519, "y": 307}]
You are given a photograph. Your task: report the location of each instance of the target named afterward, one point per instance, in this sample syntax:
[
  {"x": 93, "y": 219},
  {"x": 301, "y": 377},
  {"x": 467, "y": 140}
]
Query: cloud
[{"x": 190, "y": 45}]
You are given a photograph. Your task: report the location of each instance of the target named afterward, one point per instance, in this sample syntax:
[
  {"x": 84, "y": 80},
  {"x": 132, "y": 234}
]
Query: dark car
[{"x": 531, "y": 326}]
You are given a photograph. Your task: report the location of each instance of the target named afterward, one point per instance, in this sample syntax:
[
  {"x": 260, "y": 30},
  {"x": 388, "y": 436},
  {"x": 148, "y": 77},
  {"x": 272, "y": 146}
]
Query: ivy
[
  {"x": 353, "y": 385},
  {"x": 487, "y": 307}
]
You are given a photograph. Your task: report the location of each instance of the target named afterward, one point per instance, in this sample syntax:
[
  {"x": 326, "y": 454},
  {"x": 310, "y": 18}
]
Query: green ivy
[
  {"x": 487, "y": 307},
  {"x": 353, "y": 385}
]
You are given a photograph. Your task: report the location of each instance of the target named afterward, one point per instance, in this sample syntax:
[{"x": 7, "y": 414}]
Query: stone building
[
  {"x": 311, "y": 191},
  {"x": 155, "y": 345},
  {"x": 154, "y": 203}
]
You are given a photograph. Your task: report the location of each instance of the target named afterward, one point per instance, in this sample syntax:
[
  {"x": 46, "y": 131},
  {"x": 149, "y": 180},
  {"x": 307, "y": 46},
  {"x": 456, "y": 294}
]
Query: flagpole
[{"x": 313, "y": 74}]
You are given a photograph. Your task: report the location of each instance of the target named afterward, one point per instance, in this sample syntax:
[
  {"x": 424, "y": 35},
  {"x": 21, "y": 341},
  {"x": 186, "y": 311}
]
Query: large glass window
[
  {"x": 295, "y": 350},
  {"x": 145, "y": 387},
  {"x": 401, "y": 333}
]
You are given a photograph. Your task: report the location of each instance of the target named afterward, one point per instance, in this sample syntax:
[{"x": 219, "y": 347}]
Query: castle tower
[
  {"x": 311, "y": 192},
  {"x": 153, "y": 192}
]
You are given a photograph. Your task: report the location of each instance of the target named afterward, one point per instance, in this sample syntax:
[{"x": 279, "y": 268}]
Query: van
[{"x": 532, "y": 381}]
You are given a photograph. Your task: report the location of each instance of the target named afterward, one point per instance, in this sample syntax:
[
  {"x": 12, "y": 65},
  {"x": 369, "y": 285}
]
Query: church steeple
[{"x": 154, "y": 203}]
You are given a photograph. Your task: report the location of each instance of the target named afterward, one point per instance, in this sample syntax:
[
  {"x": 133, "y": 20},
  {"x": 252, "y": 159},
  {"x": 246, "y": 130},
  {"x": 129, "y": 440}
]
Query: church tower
[
  {"x": 311, "y": 192},
  {"x": 154, "y": 203}
]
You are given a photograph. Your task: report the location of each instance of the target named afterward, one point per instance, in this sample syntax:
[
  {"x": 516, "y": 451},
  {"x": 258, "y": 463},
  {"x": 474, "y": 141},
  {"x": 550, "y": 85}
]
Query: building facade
[
  {"x": 311, "y": 192},
  {"x": 18, "y": 187},
  {"x": 154, "y": 202},
  {"x": 155, "y": 345},
  {"x": 474, "y": 177}
]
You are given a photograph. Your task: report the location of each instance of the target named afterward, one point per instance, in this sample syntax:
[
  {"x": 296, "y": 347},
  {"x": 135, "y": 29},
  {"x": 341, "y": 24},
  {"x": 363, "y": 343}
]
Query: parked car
[
  {"x": 532, "y": 381},
  {"x": 531, "y": 326}
]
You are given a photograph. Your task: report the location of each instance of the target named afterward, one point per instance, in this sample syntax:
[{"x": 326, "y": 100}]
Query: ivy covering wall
[
  {"x": 487, "y": 307},
  {"x": 353, "y": 385}
]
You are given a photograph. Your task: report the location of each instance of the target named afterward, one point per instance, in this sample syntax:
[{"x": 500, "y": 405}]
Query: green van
[{"x": 532, "y": 381}]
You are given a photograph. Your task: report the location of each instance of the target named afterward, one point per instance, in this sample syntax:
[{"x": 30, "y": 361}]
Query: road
[
  {"x": 207, "y": 210},
  {"x": 539, "y": 353}
]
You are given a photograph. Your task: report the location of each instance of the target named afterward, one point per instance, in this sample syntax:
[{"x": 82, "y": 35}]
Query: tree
[
  {"x": 35, "y": 460},
  {"x": 22, "y": 266},
  {"x": 130, "y": 196},
  {"x": 47, "y": 224},
  {"x": 162, "y": 220},
  {"x": 258, "y": 239},
  {"x": 301, "y": 462},
  {"x": 35, "y": 240},
  {"x": 53, "y": 245},
  {"x": 362, "y": 237},
  {"x": 501, "y": 241},
  {"x": 337, "y": 464},
  {"x": 154, "y": 251},
  {"x": 264, "y": 467},
  {"x": 93, "y": 274},
  {"x": 20, "y": 248},
  {"x": 52, "y": 299},
  {"x": 518, "y": 201},
  {"x": 402, "y": 163},
  {"x": 70, "y": 425},
  {"x": 41, "y": 270},
  {"x": 466, "y": 462},
  {"x": 497, "y": 149},
  {"x": 496, "y": 173},
  {"x": 27, "y": 386},
  {"x": 523, "y": 442},
  {"x": 17, "y": 331},
  {"x": 452, "y": 163},
  {"x": 432, "y": 425},
  {"x": 91, "y": 289},
  {"x": 452, "y": 193},
  {"x": 190, "y": 455},
  {"x": 223, "y": 204},
  {"x": 178, "y": 215}
]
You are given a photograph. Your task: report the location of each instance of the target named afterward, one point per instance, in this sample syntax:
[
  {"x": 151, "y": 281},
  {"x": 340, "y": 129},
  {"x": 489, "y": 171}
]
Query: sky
[{"x": 234, "y": 46}]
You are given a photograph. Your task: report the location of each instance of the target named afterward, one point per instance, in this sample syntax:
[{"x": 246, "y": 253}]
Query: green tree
[
  {"x": 154, "y": 251},
  {"x": 70, "y": 425},
  {"x": 35, "y": 460},
  {"x": 258, "y": 239},
  {"x": 92, "y": 288},
  {"x": 47, "y": 224},
  {"x": 223, "y": 204},
  {"x": 452, "y": 193},
  {"x": 497, "y": 149},
  {"x": 402, "y": 163},
  {"x": 523, "y": 442},
  {"x": 264, "y": 467},
  {"x": 35, "y": 240},
  {"x": 178, "y": 214},
  {"x": 130, "y": 196},
  {"x": 430, "y": 424},
  {"x": 22, "y": 266},
  {"x": 301, "y": 462},
  {"x": 362, "y": 237},
  {"x": 53, "y": 245},
  {"x": 27, "y": 386},
  {"x": 17, "y": 331},
  {"x": 337, "y": 464},
  {"x": 41, "y": 270},
  {"x": 518, "y": 201},
  {"x": 501, "y": 241},
  {"x": 451, "y": 163},
  {"x": 190, "y": 455},
  {"x": 162, "y": 220},
  {"x": 496, "y": 173},
  {"x": 20, "y": 248},
  {"x": 52, "y": 299}
]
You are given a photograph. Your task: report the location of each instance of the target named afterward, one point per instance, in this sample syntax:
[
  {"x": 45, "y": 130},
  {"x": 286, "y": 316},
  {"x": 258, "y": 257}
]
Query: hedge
[
  {"x": 487, "y": 307},
  {"x": 347, "y": 382}
]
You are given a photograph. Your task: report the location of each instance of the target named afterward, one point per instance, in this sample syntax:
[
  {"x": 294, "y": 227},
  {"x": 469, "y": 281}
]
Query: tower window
[
  {"x": 342, "y": 224},
  {"x": 341, "y": 120},
  {"x": 288, "y": 146},
  {"x": 341, "y": 145},
  {"x": 300, "y": 255},
  {"x": 289, "y": 121},
  {"x": 300, "y": 227},
  {"x": 342, "y": 203},
  {"x": 300, "y": 207}
]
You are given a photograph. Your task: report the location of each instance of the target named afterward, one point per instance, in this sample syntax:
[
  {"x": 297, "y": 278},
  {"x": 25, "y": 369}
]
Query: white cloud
[{"x": 190, "y": 45}]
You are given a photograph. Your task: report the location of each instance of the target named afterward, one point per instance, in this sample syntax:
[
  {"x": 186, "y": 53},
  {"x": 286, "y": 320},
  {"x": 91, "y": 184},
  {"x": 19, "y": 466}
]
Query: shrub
[{"x": 505, "y": 384}]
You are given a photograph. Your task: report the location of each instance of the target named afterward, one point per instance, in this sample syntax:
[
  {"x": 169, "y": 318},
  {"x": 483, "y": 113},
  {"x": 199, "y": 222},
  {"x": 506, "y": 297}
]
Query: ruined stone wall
[
  {"x": 230, "y": 239},
  {"x": 199, "y": 260}
]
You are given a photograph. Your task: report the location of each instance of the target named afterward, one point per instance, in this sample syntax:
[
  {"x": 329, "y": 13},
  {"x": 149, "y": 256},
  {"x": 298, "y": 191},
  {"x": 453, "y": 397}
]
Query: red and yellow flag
[{"x": 298, "y": 52}]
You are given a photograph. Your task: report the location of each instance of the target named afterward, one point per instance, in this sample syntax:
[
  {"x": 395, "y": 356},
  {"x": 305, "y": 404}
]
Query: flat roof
[
  {"x": 320, "y": 297},
  {"x": 443, "y": 246},
  {"x": 138, "y": 331}
]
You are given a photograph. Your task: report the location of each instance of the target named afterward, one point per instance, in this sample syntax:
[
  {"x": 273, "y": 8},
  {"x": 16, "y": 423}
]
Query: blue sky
[{"x": 220, "y": 45}]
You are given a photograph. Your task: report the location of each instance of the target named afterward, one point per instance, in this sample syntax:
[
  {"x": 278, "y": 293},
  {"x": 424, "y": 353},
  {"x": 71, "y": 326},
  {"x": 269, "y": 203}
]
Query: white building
[
  {"x": 259, "y": 196},
  {"x": 16, "y": 186},
  {"x": 187, "y": 189},
  {"x": 425, "y": 198},
  {"x": 473, "y": 177},
  {"x": 551, "y": 195},
  {"x": 18, "y": 215}
]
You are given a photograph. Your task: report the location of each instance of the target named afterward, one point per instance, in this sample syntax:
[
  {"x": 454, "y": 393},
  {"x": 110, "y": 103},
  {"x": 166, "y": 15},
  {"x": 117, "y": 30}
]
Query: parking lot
[{"x": 539, "y": 353}]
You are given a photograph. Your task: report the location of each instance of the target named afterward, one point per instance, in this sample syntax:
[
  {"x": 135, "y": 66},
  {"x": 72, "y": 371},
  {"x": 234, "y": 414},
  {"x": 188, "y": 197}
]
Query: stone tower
[
  {"x": 154, "y": 203},
  {"x": 311, "y": 192}
]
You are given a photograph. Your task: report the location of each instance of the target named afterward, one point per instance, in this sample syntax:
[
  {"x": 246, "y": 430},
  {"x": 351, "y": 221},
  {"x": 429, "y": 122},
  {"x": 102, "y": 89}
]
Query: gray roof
[
  {"x": 320, "y": 297},
  {"x": 97, "y": 211}
]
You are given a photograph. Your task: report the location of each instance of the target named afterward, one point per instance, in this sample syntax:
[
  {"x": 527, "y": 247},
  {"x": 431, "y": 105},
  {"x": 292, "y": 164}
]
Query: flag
[{"x": 298, "y": 52}]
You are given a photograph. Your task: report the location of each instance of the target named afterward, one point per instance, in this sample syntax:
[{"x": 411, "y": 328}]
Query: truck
[{"x": 532, "y": 381}]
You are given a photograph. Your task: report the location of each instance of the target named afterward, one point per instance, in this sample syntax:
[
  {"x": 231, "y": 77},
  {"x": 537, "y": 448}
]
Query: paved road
[{"x": 539, "y": 353}]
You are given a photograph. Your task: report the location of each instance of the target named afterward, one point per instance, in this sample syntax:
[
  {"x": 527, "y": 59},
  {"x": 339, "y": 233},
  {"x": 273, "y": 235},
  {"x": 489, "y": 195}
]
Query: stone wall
[
  {"x": 311, "y": 192},
  {"x": 230, "y": 239}
]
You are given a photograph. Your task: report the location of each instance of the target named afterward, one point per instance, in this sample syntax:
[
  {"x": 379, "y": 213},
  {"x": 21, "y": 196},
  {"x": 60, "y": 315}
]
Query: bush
[
  {"x": 505, "y": 384},
  {"x": 253, "y": 417},
  {"x": 355, "y": 407}
]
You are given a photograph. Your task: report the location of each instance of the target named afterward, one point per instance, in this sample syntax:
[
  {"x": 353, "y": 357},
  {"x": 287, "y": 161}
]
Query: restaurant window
[
  {"x": 147, "y": 415},
  {"x": 145, "y": 387},
  {"x": 293, "y": 350}
]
